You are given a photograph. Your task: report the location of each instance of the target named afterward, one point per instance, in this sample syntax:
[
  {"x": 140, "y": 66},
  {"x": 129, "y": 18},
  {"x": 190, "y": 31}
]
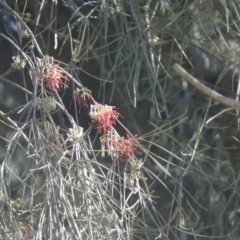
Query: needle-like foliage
[{"x": 78, "y": 80}]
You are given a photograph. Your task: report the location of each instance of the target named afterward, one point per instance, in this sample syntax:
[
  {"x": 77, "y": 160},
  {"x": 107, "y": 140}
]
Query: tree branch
[{"x": 204, "y": 89}]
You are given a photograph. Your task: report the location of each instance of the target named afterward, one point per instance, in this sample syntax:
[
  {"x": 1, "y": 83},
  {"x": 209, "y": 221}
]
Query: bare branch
[{"x": 206, "y": 90}]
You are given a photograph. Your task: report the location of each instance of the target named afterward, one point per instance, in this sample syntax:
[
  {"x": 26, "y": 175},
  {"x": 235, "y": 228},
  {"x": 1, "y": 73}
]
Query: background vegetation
[{"x": 163, "y": 164}]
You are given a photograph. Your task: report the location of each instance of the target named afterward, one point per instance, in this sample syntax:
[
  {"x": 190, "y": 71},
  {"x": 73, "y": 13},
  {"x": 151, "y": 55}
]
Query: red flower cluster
[
  {"x": 104, "y": 117},
  {"x": 53, "y": 80},
  {"x": 82, "y": 97},
  {"x": 124, "y": 148},
  {"x": 24, "y": 226},
  {"x": 120, "y": 148}
]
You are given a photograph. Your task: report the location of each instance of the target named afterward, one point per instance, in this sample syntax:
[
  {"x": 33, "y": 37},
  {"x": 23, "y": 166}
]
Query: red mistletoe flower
[
  {"x": 82, "y": 97},
  {"x": 103, "y": 117},
  {"x": 106, "y": 143},
  {"x": 27, "y": 233},
  {"x": 124, "y": 148},
  {"x": 24, "y": 226},
  {"x": 53, "y": 80}
]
